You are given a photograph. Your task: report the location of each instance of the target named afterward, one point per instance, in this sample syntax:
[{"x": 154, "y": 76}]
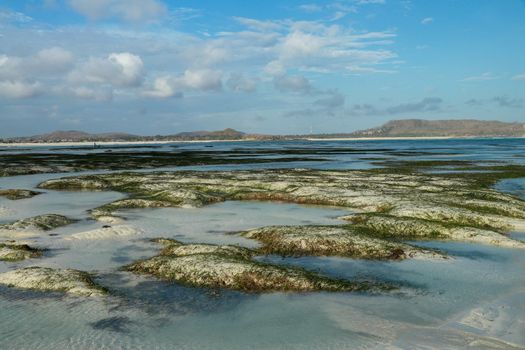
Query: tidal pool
[
  {"x": 472, "y": 299},
  {"x": 475, "y": 299}
]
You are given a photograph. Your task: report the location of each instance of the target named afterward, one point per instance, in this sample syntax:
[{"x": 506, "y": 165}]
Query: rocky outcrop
[
  {"x": 231, "y": 267},
  {"x": 346, "y": 241},
  {"x": 46, "y": 279},
  {"x": 421, "y": 202},
  {"x": 16, "y": 252},
  {"x": 389, "y": 226},
  {"x": 41, "y": 223},
  {"x": 15, "y": 194}
]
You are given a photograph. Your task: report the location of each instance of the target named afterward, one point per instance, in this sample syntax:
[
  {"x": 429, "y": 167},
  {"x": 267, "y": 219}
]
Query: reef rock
[
  {"x": 333, "y": 240},
  {"x": 52, "y": 280},
  {"x": 230, "y": 267}
]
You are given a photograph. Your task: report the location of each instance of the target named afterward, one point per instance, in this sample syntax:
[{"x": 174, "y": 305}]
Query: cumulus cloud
[
  {"x": 118, "y": 69},
  {"x": 292, "y": 83},
  {"x": 48, "y": 61},
  {"x": 19, "y": 89},
  {"x": 427, "y": 20},
  {"x": 128, "y": 10},
  {"x": 54, "y": 57},
  {"x": 316, "y": 47},
  {"x": 174, "y": 86},
  {"x": 202, "y": 79},
  {"x": 239, "y": 83},
  {"x": 163, "y": 87}
]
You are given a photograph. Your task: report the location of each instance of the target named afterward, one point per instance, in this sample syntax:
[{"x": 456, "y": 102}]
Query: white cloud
[
  {"x": 202, "y": 79},
  {"x": 482, "y": 77},
  {"x": 310, "y": 8},
  {"x": 427, "y": 20},
  {"x": 163, "y": 87},
  {"x": 275, "y": 68},
  {"x": 19, "y": 89},
  {"x": 45, "y": 62},
  {"x": 55, "y": 56},
  {"x": 519, "y": 77},
  {"x": 258, "y": 24},
  {"x": 174, "y": 86},
  {"x": 118, "y": 69},
  {"x": 128, "y": 10}
]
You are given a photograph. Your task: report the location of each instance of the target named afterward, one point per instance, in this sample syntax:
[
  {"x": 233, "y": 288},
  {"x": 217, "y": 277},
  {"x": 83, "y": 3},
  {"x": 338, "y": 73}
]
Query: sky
[{"x": 279, "y": 67}]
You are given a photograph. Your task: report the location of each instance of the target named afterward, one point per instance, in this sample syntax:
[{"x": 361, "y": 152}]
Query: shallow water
[{"x": 475, "y": 299}]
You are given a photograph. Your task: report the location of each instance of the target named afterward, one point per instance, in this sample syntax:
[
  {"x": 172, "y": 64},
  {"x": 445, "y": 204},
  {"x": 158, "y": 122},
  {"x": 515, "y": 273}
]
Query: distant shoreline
[{"x": 313, "y": 139}]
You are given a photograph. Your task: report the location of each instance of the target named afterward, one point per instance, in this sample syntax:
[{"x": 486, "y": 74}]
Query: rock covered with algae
[
  {"x": 47, "y": 279},
  {"x": 345, "y": 241},
  {"x": 15, "y": 194},
  {"x": 459, "y": 201},
  {"x": 383, "y": 225},
  {"x": 10, "y": 251},
  {"x": 40, "y": 223},
  {"x": 232, "y": 267}
]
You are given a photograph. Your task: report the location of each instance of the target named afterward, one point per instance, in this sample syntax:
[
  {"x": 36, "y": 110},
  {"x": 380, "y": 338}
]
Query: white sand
[
  {"x": 116, "y": 231},
  {"x": 4, "y": 211},
  {"x": 129, "y": 143}
]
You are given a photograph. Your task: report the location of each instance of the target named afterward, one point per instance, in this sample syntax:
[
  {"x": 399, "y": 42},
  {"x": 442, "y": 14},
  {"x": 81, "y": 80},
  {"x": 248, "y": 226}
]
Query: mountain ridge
[{"x": 394, "y": 128}]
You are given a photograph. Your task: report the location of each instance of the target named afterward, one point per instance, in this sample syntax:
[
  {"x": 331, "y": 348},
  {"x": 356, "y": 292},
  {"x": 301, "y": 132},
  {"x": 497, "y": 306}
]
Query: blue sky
[{"x": 160, "y": 67}]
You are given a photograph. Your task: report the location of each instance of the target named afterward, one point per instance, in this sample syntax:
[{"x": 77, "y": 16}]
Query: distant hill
[
  {"x": 77, "y": 136},
  {"x": 394, "y": 128},
  {"x": 435, "y": 128},
  {"x": 226, "y": 134},
  {"x": 80, "y": 136},
  {"x": 446, "y": 128}
]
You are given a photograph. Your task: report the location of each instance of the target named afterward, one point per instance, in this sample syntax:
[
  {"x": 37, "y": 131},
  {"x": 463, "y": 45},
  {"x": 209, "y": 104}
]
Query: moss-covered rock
[
  {"x": 384, "y": 225},
  {"x": 17, "y": 252},
  {"x": 15, "y": 194},
  {"x": 41, "y": 223},
  {"x": 346, "y": 241},
  {"x": 443, "y": 199},
  {"x": 52, "y": 280},
  {"x": 230, "y": 267}
]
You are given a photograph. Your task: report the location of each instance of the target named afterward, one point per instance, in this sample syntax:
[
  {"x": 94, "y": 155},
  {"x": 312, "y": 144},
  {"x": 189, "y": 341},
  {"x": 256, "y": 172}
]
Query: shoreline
[{"x": 313, "y": 139}]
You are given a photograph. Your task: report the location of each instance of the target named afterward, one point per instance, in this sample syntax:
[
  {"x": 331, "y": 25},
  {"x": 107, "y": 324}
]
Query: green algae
[
  {"x": 45, "y": 279},
  {"x": 41, "y": 222},
  {"x": 232, "y": 267},
  {"x": 16, "y": 194},
  {"x": 13, "y": 252},
  {"x": 440, "y": 199}
]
